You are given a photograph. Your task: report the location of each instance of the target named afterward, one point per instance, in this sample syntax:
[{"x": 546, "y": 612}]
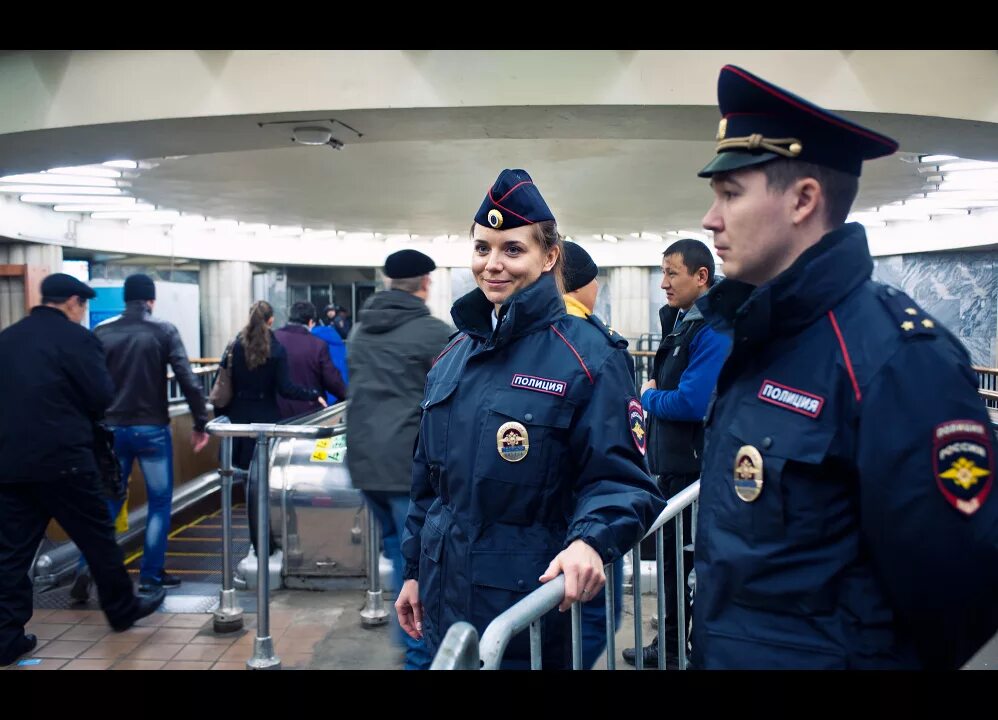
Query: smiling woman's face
[{"x": 506, "y": 261}]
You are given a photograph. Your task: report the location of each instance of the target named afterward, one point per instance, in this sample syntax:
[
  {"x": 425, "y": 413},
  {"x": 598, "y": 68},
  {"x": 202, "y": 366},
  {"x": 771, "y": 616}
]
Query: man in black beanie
[{"x": 139, "y": 348}]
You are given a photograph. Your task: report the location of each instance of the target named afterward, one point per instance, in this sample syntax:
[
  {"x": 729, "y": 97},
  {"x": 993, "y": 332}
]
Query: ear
[
  {"x": 552, "y": 258},
  {"x": 805, "y": 196},
  {"x": 425, "y": 285},
  {"x": 702, "y": 276}
]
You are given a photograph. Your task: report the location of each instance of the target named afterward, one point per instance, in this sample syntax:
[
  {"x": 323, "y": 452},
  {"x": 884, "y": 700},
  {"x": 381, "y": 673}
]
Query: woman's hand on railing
[
  {"x": 583, "y": 569},
  {"x": 410, "y": 610}
]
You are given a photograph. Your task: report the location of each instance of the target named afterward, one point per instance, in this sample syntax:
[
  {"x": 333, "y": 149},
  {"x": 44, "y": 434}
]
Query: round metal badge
[
  {"x": 495, "y": 218},
  {"x": 512, "y": 442},
  {"x": 748, "y": 473}
]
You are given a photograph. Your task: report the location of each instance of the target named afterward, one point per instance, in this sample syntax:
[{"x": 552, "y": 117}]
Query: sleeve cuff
[{"x": 411, "y": 572}]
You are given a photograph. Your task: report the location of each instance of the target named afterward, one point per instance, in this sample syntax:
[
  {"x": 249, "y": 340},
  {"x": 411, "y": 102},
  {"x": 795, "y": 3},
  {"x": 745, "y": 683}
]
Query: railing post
[
  {"x": 228, "y": 616},
  {"x": 611, "y": 625},
  {"x": 660, "y": 593},
  {"x": 374, "y": 612},
  {"x": 680, "y": 591},
  {"x": 636, "y": 591},
  {"x": 263, "y": 646},
  {"x": 577, "y": 635}
]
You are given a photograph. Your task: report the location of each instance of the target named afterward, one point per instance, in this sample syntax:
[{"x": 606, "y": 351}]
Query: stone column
[
  {"x": 225, "y": 302},
  {"x": 629, "y": 298},
  {"x": 441, "y": 297},
  {"x": 44, "y": 259}
]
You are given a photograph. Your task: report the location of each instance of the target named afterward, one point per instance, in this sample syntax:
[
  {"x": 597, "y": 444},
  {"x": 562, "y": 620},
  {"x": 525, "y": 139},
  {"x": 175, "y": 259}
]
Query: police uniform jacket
[
  {"x": 54, "y": 385},
  {"x": 482, "y": 529},
  {"x": 873, "y": 541}
]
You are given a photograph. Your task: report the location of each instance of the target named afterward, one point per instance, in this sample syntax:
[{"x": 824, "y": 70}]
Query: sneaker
[
  {"x": 166, "y": 580},
  {"x": 28, "y": 643},
  {"x": 80, "y": 592},
  {"x": 147, "y": 605},
  {"x": 649, "y": 656}
]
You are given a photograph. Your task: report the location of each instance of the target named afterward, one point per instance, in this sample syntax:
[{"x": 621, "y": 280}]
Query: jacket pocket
[
  {"x": 731, "y": 652},
  {"x": 502, "y": 578},
  {"x": 431, "y": 572},
  {"x": 793, "y": 449},
  {"x": 522, "y": 447},
  {"x": 434, "y": 426}
]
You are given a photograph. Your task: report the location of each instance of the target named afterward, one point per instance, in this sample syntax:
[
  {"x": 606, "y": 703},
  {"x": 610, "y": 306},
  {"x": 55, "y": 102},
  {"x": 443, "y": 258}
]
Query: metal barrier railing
[
  {"x": 461, "y": 648},
  {"x": 229, "y": 614},
  {"x": 205, "y": 374}
]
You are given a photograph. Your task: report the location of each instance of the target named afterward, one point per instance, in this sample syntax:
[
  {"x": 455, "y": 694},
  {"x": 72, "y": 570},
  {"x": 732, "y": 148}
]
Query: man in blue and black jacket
[{"x": 683, "y": 377}]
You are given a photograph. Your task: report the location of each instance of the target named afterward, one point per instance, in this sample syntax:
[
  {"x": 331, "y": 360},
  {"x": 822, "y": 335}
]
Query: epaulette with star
[
  {"x": 615, "y": 338},
  {"x": 911, "y": 319}
]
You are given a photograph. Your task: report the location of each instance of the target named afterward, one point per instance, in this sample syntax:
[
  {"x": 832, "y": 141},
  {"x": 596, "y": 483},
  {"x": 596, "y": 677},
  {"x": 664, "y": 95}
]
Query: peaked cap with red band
[{"x": 761, "y": 122}]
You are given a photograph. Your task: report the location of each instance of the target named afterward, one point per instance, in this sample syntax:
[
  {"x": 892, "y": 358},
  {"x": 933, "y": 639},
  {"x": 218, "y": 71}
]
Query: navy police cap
[
  {"x": 61, "y": 285},
  {"x": 512, "y": 201},
  {"x": 761, "y": 122}
]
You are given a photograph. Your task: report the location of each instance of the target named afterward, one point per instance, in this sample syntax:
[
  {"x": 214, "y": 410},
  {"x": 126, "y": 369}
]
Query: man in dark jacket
[
  {"x": 139, "y": 348},
  {"x": 684, "y": 374},
  {"x": 54, "y": 386},
  {"x": 309, "y": 361},
  {"x": 389, "y": 355}
]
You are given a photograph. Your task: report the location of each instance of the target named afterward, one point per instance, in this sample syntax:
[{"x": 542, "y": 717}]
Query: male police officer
[{"x": 845, "y": 518}]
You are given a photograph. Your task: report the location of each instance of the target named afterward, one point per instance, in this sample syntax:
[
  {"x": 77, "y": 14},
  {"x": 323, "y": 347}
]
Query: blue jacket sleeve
[
  {"x": 925, "y": 440},
  {"x": 616, "y": 499},
  {"x": 689, "y": 401}
]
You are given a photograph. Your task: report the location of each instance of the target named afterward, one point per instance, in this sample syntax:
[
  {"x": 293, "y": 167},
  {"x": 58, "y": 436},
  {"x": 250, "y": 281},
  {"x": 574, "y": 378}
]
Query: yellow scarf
[{"x": 574, "y": 307}]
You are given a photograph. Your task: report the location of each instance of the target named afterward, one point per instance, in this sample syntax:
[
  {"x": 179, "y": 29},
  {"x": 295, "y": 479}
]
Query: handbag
[
  {"x": 221, "y": 391},
  {"x": 112, "y": 485}
]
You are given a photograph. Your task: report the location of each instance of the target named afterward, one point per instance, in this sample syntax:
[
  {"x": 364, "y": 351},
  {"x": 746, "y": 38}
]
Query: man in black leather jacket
[{"x": 139, "y": 348}]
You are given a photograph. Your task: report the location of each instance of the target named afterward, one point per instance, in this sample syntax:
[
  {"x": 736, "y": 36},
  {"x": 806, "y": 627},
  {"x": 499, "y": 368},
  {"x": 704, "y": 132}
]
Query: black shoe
[
  {"x": 166, "y": 580},
  {"x": 80, "y": 592},
  {"x": 649, "y": 656},
  {"x": 28, "y": 643},
  {"x": 147, "y": 605}
]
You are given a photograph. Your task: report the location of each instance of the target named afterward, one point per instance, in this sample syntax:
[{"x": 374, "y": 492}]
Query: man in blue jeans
[
  {"x": 390, "y": 351},
  {"x": 138, "y": 349}
]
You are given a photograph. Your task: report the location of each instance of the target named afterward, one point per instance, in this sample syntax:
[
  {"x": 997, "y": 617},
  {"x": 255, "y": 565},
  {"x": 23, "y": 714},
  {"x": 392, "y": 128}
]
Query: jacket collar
[
  {"x": 818, "y": 280},
  {"x": 524, "y": 312},
  {"x": 574, "y": 307}
]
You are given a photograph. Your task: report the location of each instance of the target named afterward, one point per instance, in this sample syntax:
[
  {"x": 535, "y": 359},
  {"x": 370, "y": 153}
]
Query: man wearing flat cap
[
  {"x": 389, "y": 352},
  {"x": 54, "y": 386},
  {"x": 847, "y": 514}
]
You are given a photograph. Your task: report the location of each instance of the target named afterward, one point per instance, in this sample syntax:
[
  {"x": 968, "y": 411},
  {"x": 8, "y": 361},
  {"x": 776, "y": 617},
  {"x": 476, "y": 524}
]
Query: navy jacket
[
  {"x": 54, "y": 384},
  {"x": 874, "y": 540},
  {"x": 482, "y": 526}
]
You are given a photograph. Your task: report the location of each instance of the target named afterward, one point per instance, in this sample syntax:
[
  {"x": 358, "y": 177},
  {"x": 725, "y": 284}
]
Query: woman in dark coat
[{"x": 258, "y": 366}]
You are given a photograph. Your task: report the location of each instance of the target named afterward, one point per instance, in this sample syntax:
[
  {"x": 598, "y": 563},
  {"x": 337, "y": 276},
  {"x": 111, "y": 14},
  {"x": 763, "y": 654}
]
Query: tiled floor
[{"x": 310, "y": 630}]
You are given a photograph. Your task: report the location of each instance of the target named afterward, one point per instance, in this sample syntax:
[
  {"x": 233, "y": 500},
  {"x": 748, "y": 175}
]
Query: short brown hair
[{"x": 838, "y": 188}]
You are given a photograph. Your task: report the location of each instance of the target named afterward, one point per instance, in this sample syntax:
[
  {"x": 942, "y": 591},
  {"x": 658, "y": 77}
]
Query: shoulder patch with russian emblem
[
  {"x": 636, "y": 423},
  {"x": 963, "y": 463}
]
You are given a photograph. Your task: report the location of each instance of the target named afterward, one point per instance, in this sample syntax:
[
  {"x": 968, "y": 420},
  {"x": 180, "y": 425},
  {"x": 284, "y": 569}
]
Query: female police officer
[{"x": 530, "y": 459}]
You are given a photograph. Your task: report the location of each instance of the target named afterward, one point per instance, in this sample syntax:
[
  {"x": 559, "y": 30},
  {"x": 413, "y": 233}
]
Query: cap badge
[
  {"x": 495, "y": 218},
  {"x": 722, "y": 128}
]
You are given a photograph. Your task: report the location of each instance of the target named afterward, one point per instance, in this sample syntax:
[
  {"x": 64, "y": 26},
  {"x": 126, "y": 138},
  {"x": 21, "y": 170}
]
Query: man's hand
[
  {"x": 649, "y": 385},
  {"x": 583, "y": 568},
  {"x": 199, "y": 440},
  {"x": 322, "y": 401},
  {"x": 410, "y": 610}
]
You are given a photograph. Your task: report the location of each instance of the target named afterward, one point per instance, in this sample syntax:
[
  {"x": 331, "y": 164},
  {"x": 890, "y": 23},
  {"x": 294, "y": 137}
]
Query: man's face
[
  {"x": 751, "y": 225},
  {"x": 76, "y": 308},
  {"x": 682, "y": 287}
]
